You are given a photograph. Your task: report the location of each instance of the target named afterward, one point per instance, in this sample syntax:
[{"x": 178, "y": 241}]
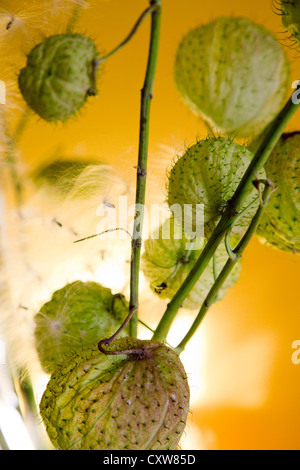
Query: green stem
[
  {"x": 230, "y": 264},
  {"x": 145, "y": 325},
  {"x": 150, "y": 329},
  {"x": 146, "y": 99},
  {"x": 229, "y": 250},
  {"x": 167, "y": 319},
  {"x": 149, "y": 10},
  {"x": 228, "y": 219},
  {"x": 215, "y": 271},
  {"x": 74, "y": 17},
  {"x": 209, "y": 128},
  {"x": 270, "y": 140}
]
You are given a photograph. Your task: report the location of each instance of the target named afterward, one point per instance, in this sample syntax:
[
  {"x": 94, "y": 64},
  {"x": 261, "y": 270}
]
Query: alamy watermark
[
  {"x": 116, "y": 222},
  {"x": 296, "y": 353},
  {"x": 295, "y": 95}
]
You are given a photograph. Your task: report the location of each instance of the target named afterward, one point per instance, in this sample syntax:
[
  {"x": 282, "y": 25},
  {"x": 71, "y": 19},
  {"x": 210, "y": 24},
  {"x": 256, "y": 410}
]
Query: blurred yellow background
[{"x": 245, "y": 388}]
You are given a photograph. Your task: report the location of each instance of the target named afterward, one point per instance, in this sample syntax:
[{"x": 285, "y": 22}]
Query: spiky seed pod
[
  {"x": 117, "y": 402},
  {"x": 280, "y": 225},
  {"x": 233, "y": 73},
  {"x": 290, "y": 16},
  {"x": 77, "y": 317},
  {"x": 208, "y": 173},
  {"x": 59, "y": 76},
  {"x": 166, "y": 262}
]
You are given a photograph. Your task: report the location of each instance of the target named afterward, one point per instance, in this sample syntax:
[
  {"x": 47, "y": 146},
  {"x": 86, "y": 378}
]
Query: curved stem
[
  {"x": 108, "y": 341},
  {"x": 147, "y": 95},
  {"x": 229, "y": 217},
  {"x": 230, "y": 264},
  {"x": 149, "y": 10},
  {"x": 229, "y": 250},
  {"x": 143, "y": 352}
]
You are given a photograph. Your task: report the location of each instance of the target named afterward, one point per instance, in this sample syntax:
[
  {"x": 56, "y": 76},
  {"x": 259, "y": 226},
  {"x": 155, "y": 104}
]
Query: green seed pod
[
  {"x": 209, "y": 173},
  {"x": 280, "y": 225},
  {"x": 290, "y": 16},
  {"x": 166, "y": 262},
  {"x": 118, "y": 402},
  {"x": 59, "y": 76},
  {"x": 233, "y": 73},
  {"x": 77, "y": 317},
  {"x": 60, "y": 175},
  {"x": 78, "y": 178}
]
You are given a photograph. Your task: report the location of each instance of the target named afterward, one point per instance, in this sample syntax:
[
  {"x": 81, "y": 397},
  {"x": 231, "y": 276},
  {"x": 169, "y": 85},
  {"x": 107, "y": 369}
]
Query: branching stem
[
  {"x": 230, "y": 264},
  {"x": 228, "y": 219}
]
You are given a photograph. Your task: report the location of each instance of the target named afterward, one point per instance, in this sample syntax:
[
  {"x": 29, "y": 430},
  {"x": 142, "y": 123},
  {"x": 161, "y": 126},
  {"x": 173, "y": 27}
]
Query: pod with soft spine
[
  {"x": 208, "y": 174},
  {"x": 234, "y": 74},
  {"x": 169, "y": 257},
  {"x": 59, "y": 76},
  {"x": 280, "y": 224},
  {"x": 135, "y": 400},
  {"x": 77, "y": 317},
  {"x": 290, "y": 16}
]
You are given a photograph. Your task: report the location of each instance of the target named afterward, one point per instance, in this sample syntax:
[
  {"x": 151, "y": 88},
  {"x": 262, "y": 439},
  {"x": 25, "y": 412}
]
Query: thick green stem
[
  {"x": 261, "y": 156},
  {"x": 147, "y": 94},
  {"x": 228, "y": 219},
  {"x": 230, "y": 264},
  {"x": 167, "y": 319}
]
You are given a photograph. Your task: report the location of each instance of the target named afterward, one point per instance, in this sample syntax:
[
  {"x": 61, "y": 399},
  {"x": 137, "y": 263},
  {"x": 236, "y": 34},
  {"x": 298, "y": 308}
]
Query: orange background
[{"x": 245, "y": 387}]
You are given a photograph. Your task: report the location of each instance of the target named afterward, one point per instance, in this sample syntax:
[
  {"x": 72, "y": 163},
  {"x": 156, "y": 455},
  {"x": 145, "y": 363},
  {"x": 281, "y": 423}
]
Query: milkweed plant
[{"x": 106, "y": 387}]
